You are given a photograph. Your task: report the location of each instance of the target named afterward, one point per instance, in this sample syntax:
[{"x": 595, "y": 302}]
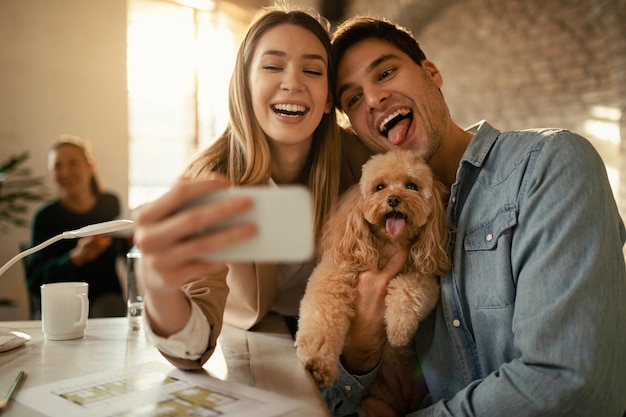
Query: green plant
[{"x": 17, "y": 190}]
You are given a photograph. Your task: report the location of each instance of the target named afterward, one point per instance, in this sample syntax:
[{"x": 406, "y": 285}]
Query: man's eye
[
  {"x": 380, "y": 187},
  {"x": 412, "y": 186},
  {"x": 352, "y": 100},
  {"x": 385, "y": 74}
]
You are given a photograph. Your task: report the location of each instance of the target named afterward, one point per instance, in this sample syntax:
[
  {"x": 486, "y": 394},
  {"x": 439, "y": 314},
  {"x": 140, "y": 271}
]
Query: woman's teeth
[{"x": 289, "y": 109}]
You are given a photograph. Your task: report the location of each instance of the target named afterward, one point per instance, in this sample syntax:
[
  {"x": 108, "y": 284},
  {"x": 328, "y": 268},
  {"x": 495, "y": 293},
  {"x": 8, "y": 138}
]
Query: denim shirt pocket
[
  {"x": 486, "y": 235},
  {"x": 488, "y": 289}
]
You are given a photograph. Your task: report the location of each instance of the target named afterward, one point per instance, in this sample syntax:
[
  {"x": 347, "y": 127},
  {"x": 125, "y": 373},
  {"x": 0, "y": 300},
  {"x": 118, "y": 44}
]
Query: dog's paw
[
  {"x": 323, "y": 370},
  {"x": 319, "y": 358},
  {"x": 400, "y": 335}
]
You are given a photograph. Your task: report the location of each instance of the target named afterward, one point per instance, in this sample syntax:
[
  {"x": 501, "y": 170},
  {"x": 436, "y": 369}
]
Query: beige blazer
[{"x": 247, "y": 294}]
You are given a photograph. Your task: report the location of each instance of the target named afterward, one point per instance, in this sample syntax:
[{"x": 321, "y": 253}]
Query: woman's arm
[{"x": 171, "y": 249}]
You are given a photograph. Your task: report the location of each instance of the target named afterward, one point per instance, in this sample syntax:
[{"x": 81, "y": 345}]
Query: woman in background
[
  {"x": 282, "y": 130},
  {"x": 80, "y": 202}
]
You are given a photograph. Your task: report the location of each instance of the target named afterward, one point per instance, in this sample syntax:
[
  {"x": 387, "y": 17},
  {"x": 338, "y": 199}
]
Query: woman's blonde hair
[
  {"x": 84, "y": 146},
  {"x": 242, "y": 152}
]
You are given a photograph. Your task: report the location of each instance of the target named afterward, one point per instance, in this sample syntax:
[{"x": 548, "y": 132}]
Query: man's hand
[
  {"x": 367, "y": 335},
  {"x": 374, "y": 407}
]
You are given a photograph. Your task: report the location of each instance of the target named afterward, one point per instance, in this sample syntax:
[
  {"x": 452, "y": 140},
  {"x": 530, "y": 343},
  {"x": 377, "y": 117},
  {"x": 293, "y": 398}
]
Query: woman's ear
[
  {"x": 329, "y": 104},
  {"x": 92, "y": 169}
]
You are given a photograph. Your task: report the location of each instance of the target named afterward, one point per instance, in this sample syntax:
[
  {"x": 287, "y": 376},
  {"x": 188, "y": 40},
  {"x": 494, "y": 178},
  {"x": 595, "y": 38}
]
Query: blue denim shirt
[{"x": 532, "y": 315}]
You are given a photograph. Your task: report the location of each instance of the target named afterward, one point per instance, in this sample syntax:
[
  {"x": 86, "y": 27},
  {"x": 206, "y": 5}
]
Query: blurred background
[{"x": 146, "y": 82}]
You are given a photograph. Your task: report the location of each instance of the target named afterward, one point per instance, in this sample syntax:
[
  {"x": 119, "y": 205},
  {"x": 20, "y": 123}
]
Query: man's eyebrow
[{"x": 381, "y": 59}]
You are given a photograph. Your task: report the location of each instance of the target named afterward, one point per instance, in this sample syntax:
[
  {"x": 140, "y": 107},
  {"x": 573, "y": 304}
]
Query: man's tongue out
[
  {"x": 397, "y": 133},
  {"x": 395, "y": 225}
]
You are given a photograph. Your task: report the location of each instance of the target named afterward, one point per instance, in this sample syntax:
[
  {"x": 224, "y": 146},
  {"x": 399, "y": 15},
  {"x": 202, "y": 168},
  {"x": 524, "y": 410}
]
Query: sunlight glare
[
  {"x": 179, "y": 62},
  {"x": 604, "y": 125},
  {"x": 207, "y": 5}
]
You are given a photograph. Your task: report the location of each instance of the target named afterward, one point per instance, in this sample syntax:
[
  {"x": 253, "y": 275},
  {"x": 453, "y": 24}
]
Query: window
[{"x": 180, "y": 59}]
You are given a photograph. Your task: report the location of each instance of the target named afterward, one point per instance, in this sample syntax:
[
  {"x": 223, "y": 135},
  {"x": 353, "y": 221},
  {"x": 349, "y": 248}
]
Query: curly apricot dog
[{"x": 397, "y": 204}]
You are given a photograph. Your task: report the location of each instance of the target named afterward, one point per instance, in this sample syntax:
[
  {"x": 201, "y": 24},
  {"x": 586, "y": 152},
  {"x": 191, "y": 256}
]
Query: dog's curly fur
[{"x": 397, "y": 204}]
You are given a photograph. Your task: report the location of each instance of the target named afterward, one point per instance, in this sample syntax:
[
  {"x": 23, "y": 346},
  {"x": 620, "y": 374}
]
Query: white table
[{"x": 264, "y": 358}]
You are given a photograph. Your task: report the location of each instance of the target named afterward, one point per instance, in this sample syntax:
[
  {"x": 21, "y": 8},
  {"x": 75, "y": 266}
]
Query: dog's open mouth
[{"x": 394, "y": 223}]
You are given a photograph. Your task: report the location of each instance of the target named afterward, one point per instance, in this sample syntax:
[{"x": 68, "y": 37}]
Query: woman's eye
[
  {"x": 380, "y": 187},
  {"x": 271, "y": 67},
  {"x": 412, "y": 186},
  {"x": 315, "y": 72}
]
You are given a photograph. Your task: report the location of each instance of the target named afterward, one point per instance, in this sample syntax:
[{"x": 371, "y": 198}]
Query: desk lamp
[{"x": 92, "y": 229}]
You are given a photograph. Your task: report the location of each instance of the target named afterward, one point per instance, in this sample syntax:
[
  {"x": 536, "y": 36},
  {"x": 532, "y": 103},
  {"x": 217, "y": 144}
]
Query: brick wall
[{"x": 526, "y": 63}]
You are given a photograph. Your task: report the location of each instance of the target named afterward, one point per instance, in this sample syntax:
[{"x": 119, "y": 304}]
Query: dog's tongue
[
  {"x": 395, "y": 225},
  {"x": 398, "y": 132}
]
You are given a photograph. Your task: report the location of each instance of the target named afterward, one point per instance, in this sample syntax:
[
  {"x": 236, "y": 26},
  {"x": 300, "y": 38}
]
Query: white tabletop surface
[{"x": 264, "y": 358}]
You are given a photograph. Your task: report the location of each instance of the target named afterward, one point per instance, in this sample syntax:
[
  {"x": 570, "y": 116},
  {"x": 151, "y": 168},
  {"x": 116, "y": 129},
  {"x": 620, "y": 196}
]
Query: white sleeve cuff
[{"x": 189, "y": 343}]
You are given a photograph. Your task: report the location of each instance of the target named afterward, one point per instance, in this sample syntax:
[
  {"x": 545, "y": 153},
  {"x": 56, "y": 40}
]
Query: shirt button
[
  {"x": 456, "y": 322},
  {"x": 489, "y": 237},
  {"x": 347, "y": 388},
  {"x": 453, "y": 199}
]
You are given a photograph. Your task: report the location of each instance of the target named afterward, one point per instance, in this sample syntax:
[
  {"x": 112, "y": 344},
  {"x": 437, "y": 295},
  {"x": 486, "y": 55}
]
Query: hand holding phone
[{"x": 284, "y": 217}]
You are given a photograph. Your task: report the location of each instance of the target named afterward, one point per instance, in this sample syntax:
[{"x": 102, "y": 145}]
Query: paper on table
[
  {"x": 153, "y": 388},
  {"x": 11, "y": 338}
]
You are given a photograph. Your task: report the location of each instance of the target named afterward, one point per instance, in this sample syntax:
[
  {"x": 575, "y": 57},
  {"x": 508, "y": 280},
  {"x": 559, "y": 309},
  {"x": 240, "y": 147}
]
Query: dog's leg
[
  {"x": 325, "y": 313},
  {"x": 410, "y": 298}
]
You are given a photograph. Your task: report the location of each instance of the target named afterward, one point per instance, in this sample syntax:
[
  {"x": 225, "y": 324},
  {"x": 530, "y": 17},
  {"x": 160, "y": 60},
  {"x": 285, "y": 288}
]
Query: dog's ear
[
  {"x": 430, "y": 251},
  {"x": 346, "y": 235}
]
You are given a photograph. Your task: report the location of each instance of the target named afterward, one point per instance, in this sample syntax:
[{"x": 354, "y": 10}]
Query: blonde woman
[
  {"x": 282, "y": 130},
  {"x": 80, "y": 201}
]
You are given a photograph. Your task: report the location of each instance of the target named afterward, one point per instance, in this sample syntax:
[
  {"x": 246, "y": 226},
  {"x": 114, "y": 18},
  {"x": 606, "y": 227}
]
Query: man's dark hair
[{"x": 359, "y": 28}]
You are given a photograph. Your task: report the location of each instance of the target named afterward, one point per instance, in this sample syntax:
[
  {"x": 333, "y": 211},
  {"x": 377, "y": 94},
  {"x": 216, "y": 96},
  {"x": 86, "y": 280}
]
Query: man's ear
[{"x": 432, "y": 71}]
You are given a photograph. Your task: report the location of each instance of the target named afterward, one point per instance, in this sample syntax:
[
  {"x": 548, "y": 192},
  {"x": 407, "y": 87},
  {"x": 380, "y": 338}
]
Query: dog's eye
[
  {"x": 412, "y": 186},
  {"x": 380, "y": 187}
]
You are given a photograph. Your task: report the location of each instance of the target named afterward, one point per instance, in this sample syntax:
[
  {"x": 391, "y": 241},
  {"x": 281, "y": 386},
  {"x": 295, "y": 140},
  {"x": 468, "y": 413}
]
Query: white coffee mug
[{"x": 64, "y": 310}]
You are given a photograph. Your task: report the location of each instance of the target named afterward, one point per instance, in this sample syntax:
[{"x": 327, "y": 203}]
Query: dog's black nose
[{"x": 393, "y": 201}]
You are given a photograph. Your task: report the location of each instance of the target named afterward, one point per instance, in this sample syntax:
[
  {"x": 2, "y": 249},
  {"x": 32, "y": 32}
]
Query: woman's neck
[
  {"x": 288, "y": 162},
  {"x": 78, "y": 203}
]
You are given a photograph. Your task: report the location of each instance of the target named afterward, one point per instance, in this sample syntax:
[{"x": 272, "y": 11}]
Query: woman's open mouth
[{"x": 289, "y": 110}]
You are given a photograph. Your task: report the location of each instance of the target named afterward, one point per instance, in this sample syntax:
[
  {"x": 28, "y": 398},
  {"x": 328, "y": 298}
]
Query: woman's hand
[
  {"x": 171, "y": 247},
  {"x": 89, "y": 248}
]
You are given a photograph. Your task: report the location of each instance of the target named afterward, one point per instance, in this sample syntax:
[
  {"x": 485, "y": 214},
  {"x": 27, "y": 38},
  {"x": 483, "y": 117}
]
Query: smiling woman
[
  {"x": 282, "y": 131},
  {"x": 289, "y": 88},
  {"x": 80, "y": 201}
]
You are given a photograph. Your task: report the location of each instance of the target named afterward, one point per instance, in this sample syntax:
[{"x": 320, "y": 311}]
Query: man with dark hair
[{"x": 531, "y": 318}]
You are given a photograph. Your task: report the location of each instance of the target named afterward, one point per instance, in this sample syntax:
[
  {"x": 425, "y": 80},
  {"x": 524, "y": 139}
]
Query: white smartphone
[{"x": 284, "y": 217}]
